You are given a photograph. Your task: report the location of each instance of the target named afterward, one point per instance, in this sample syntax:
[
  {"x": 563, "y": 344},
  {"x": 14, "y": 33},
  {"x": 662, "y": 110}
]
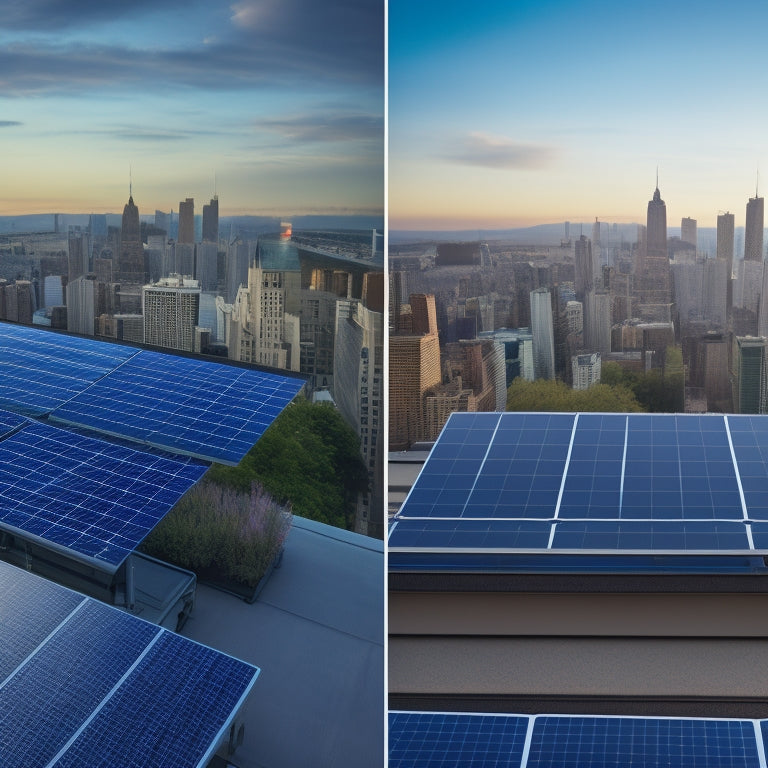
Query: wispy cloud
[
  {"x": 486, "y": 151},
  {"x": 9, "y": 123},
  {"x": 328, "y": 128}
]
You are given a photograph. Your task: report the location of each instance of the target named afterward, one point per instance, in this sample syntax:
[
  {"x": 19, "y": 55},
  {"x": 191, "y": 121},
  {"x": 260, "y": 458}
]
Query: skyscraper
[
  {"x": 753, "y": 231},
  {"x": 130, "y": 264},
  {"x": 187, "y": 221},
  {"x": 543, "y": 334},
  {"x": 211, "y": 221},
  {"x": 725, "y": 231},
  {"x": 584, "y": 278},
  {"x": 750, "y": 354},
  {"x": 688, "y": 231},
  {"x": 653, "y": 272}
]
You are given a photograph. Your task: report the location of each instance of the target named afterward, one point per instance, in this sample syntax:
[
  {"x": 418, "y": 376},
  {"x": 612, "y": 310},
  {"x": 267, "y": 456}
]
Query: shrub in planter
[{"x": 222, "y": 534}]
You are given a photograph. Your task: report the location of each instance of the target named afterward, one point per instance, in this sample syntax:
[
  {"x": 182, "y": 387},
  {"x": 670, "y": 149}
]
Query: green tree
[
  {"x": 309, "y": 457},
  {"x": 550, "y": 395}
]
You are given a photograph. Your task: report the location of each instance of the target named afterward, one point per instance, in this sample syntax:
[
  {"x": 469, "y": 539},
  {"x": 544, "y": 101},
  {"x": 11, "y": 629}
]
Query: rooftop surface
[{"x": 317, "y": 633}]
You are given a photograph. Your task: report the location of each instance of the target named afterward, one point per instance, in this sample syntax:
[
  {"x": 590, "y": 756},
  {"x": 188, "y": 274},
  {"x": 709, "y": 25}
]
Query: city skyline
[
  {"x": 531, "y": 113},
  {"x": 277, "y": 108}
]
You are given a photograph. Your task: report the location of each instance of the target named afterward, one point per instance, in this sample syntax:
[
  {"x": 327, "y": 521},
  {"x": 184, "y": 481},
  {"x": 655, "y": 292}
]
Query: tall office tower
[
  {"x": 187, "y": 221},
  {"x": 543, "y": 334},
  {"x": 654, "y": 275},
  {"x": 171, "y": 309},
  {"x": 414, "y": 369},
  {"x": 725, "y": 232},
  {"x": 597, "y": 252},
  {"x": 584, "y": 270},
  {"x": 81, "y": 305},
  {"x": 688, "y": 231},
  {"x": 715, "y": 293},
  {"x": 396, "y": 293},
  {"x": 762, "y": 317},
  {"x": 206, "y": 265},
  {"x": 163, "y": 221},
  {"x": 751, "y": 380},
  {"x": 211, "y": 221},
  {"x": 597, "y": 322},
  {"x": 586, "y": 370},
  {"x": 130, "y": 264},
  {"x": 712, "y": 353},
  {"x": 424, "y": 313},
  {"x": 239, "y": 255},
  {"x": 19, "y": 302},
  {"x": 77, "y": 244},
  {"x": 53, "y": 291},
  {"x": 574, "y": 316},
  {"x": 753, "y": 231},
  {"x": 358, "y": 391}
]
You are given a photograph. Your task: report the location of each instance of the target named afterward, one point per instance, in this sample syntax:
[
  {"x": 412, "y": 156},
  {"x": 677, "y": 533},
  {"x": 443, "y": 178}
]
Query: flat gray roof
[{"x": 317, "y": 633}]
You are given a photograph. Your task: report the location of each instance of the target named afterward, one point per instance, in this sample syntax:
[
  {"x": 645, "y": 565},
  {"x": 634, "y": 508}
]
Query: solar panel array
[
  {"x": 98, "y": 500},
  {"x": 597, "y": 483},
  {"x": 199, "y": 408},
  {"x": 195, "y": 407},
  {"x": 82, "y": 683},
  {"x": 451, "y": 740}
]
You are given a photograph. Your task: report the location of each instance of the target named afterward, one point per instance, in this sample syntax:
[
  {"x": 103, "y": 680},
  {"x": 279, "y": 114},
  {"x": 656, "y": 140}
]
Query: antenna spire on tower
[{"x": 130, "y": 180}]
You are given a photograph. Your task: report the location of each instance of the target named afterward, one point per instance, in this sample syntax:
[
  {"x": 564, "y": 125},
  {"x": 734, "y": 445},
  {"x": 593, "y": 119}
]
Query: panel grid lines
[
  {"x": 108, "y": 688},
  {"x": 448, "y": 740},
  {"x": 673, "y": 483}
]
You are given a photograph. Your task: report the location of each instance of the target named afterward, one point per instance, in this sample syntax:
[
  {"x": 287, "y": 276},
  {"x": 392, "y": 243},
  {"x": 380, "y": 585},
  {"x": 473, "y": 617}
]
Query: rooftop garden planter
[{"x": 231, "y": 540}]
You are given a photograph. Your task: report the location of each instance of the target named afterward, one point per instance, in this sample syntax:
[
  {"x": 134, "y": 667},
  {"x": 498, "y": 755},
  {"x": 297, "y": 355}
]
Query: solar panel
[
  {"x": 104, "y": 688},
  {"x": 596, "y": 483},
  {"x": 40, "y": 370},
  {"x": 10, "y": 422},
  {"x": 93, "y": 498},
  {"x": 437, "y": 740},
  {"x": 445, "y": 740},
  {"x": 184, "y": 405}
]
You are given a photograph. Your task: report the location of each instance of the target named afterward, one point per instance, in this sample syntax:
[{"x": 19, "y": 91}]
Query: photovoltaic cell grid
[
  {"x": 194, "y": 407},
  {"x": 448, "y": 740},
  {"x": 90, "y": 685},
  {"x": 40, "y": 370},
  {"x": 606, "y": 482},
  {"x": 96, "y": 499}
]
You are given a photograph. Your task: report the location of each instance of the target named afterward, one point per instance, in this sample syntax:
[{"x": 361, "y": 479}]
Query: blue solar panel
[
  {"x": 615, "y": 742},
  {"x": 10, "y": 422},
  {"x": 671, "y": 483},
  {"x": 201, "y": 684},
  {"x": 184, "y": 405},
  {"x": 40, "y": 370},
  {"x": 104, "y": 688},
  {"x": 94, "y": 498},
  {"x": 435, "y": 740},
  {"x": 449, "y": 740}
]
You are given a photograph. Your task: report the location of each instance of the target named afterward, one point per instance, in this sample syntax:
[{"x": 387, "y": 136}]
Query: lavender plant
[{"x": 219, "y": 531}]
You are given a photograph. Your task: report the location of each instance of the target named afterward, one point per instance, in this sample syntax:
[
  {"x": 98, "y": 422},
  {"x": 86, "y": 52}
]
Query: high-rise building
[
  {"x": 753, "y": 231},
  {"x": 130, "y": 264},
  {"x": 653, "y": 268},
  {"x": 187, "y": 221},
  {"x": 597, "y": 322},
  {"x": 424, "y": 313},
  {"x": 81, "y": 305},
  {"x": 358, "y": 391},
  {"x": 543, "y": 334},
  {"x": 750, "y": 363},
  {"x": 725, "y": 232},
  {"x": 171, "y": 310},
  {"x": 584, "y": 272},
  {"x": 211, "y": 221},
  {"x": 688, "y": 231}
]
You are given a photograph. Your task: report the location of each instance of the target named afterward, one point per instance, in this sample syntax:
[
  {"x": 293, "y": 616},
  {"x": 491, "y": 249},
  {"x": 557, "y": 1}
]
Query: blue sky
[
  {"x": 508, "y": 114},
  {"x": 281, "y": 100}
]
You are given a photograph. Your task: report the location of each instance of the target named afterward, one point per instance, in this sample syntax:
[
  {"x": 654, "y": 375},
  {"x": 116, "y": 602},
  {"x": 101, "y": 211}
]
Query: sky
[
  {"x": 514, "y": 114},
  {"x": 277, "y": 106}
]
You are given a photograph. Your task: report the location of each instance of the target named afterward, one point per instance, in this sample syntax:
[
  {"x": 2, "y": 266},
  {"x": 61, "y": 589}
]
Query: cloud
[
  {"x": 53, "y": 15},
  {"x": 485, "y": 151},
  {"x": 9, "y": 123},
  {"x": 262, "y": 43},
  {"x": 318, "y": 128}
]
